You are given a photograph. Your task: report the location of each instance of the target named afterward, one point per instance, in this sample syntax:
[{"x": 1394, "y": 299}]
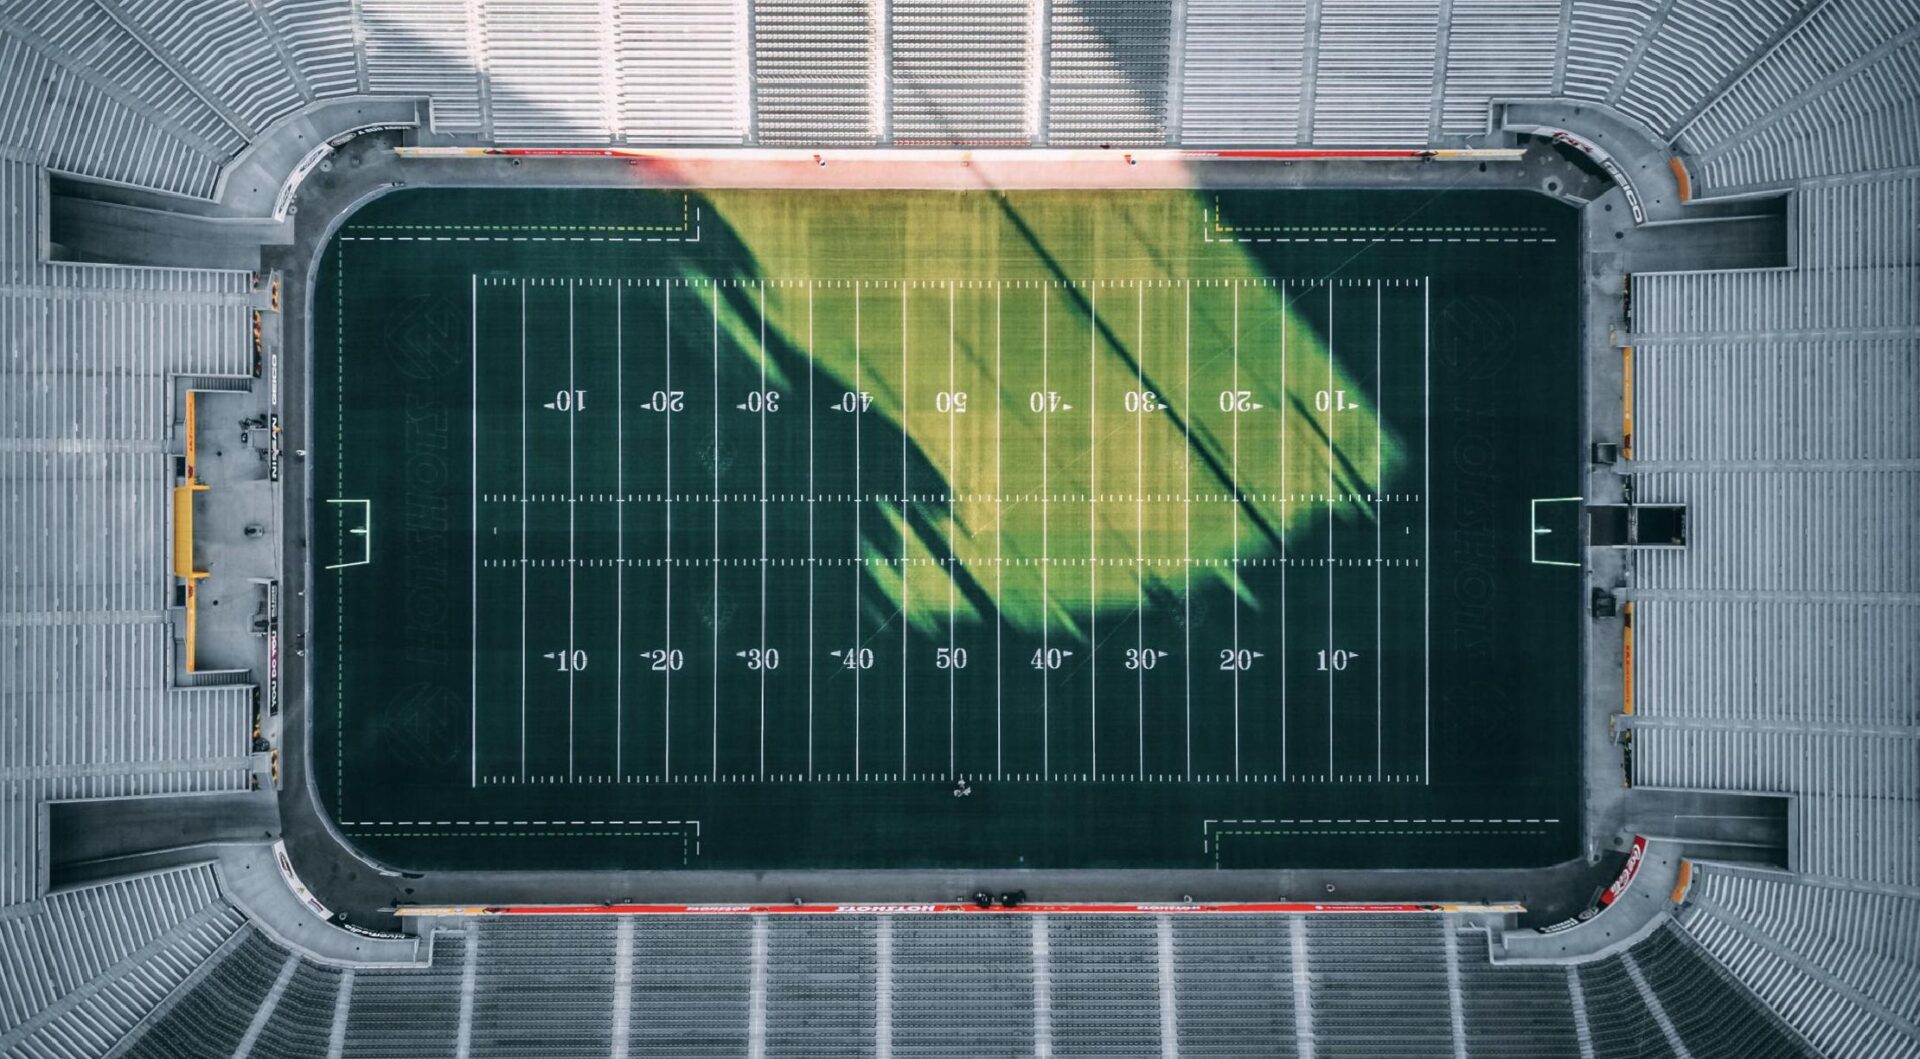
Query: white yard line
[
  {"x": 1093, "y": 526},
  {"x": 572, "y": 498},
  {"x": 906, "y": 621},
  {"x": 1140, "y": 533},
  {"x": 1186, "y": 564},
  {"x": 999, "y": 542},
  {"x": 1046, "y": 595},
  {"x": 953, "y": 463},
  {"x": 1286, "y": 488},
  {"x": 666, "y": 724},
  {"x": 619, "y": 530},
  {"x": 859, "y": 551},
  {"x": 713, "y": 292},
  {"x": 473, "y": 600},
  {"x": 763, "y": 530},
  {"x": 1379, "y": 483},
  {"x": 1426, "y": 508},
  {"x": 1236, "y": 530},
  {"x": 1330, "y": 505},
  {"x": 523, "y": 529},
  {"x": 812, "y": 493}
]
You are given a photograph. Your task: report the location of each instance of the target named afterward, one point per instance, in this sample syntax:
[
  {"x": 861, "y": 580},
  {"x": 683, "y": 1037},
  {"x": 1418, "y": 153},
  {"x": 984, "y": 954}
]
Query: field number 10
[{"x": 1336, "y": 660}]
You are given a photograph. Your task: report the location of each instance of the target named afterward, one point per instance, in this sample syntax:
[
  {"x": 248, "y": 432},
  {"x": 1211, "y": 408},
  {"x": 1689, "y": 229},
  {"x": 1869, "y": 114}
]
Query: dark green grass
[{"x": 1102, "y": 612}]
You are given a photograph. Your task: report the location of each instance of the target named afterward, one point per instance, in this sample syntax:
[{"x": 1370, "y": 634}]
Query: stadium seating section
[{"x": 1777, "y": 655}]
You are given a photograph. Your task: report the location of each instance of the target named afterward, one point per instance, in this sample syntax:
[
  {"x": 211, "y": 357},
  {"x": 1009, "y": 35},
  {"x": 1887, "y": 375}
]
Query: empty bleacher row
[
  {"x": 1779, "y": 404},
  {"x": 1757, "y": 95},
  {"x": 901, "y": 985},
  {"x": 1841, "y": 964},
  {"x": 79, "y": 970},
  {"x": 86, "y": 428}
]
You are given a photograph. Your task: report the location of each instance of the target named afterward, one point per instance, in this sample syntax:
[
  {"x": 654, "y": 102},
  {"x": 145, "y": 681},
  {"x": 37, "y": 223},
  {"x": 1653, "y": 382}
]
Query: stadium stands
[{"x": 1774, "y": 656}]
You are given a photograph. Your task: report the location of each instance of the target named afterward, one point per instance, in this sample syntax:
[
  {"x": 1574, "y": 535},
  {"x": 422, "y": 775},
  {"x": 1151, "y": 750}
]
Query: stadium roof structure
[{"x": 1748, "y": 181}]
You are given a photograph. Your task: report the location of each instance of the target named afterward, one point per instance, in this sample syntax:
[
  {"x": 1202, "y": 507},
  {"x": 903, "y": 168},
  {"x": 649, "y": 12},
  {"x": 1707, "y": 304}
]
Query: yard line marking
[
  {"x": 1093, "y": 525},
  {"x": 1426, "y": 507},
  {"x": 572, "y": 494},
  {"x": 523, "y": 530},
  {"x": 1286, "y": 412},
  {"x": 905, "y": 621},
  {"x": 619, "y": 528},
  {"x": 1140, "y": 532},
  {"x": 1236, "y": 532},
  {"x": 999, "y": 541},
  {"x": 763, "y": 530},
  {"x": 859, "y": 541},
  {"x": 1187, "y": 513},
  {"x": 812, "y": 497},
  {"x": 952, "y": 536},
  {"x": 713, "y": 295},
  {"x": 1330, "y": 506},
  {"x": 474, "y": 556},
  {"x": 1379, "y": 439},
  {"x": 666, "y": 723},
  {"x": 1046, "y": 593}
]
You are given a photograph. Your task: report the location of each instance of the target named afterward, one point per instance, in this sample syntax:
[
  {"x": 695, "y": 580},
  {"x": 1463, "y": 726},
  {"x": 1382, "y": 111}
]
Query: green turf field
[{"x": 909, "y": 529}]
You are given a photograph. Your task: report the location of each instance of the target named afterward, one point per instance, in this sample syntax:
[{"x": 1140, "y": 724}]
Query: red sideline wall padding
[{"x": 937, "y": 908}]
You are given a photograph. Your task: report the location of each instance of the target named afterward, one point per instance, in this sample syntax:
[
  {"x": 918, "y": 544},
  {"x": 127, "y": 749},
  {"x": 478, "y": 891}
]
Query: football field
[{"x": 912, "y": 529}]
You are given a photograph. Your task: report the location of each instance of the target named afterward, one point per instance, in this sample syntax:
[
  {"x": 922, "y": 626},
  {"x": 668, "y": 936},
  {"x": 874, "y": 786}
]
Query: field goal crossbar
[
  {"x": 1535, "y": 530},
  {"x": 364, "y": 531}
]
